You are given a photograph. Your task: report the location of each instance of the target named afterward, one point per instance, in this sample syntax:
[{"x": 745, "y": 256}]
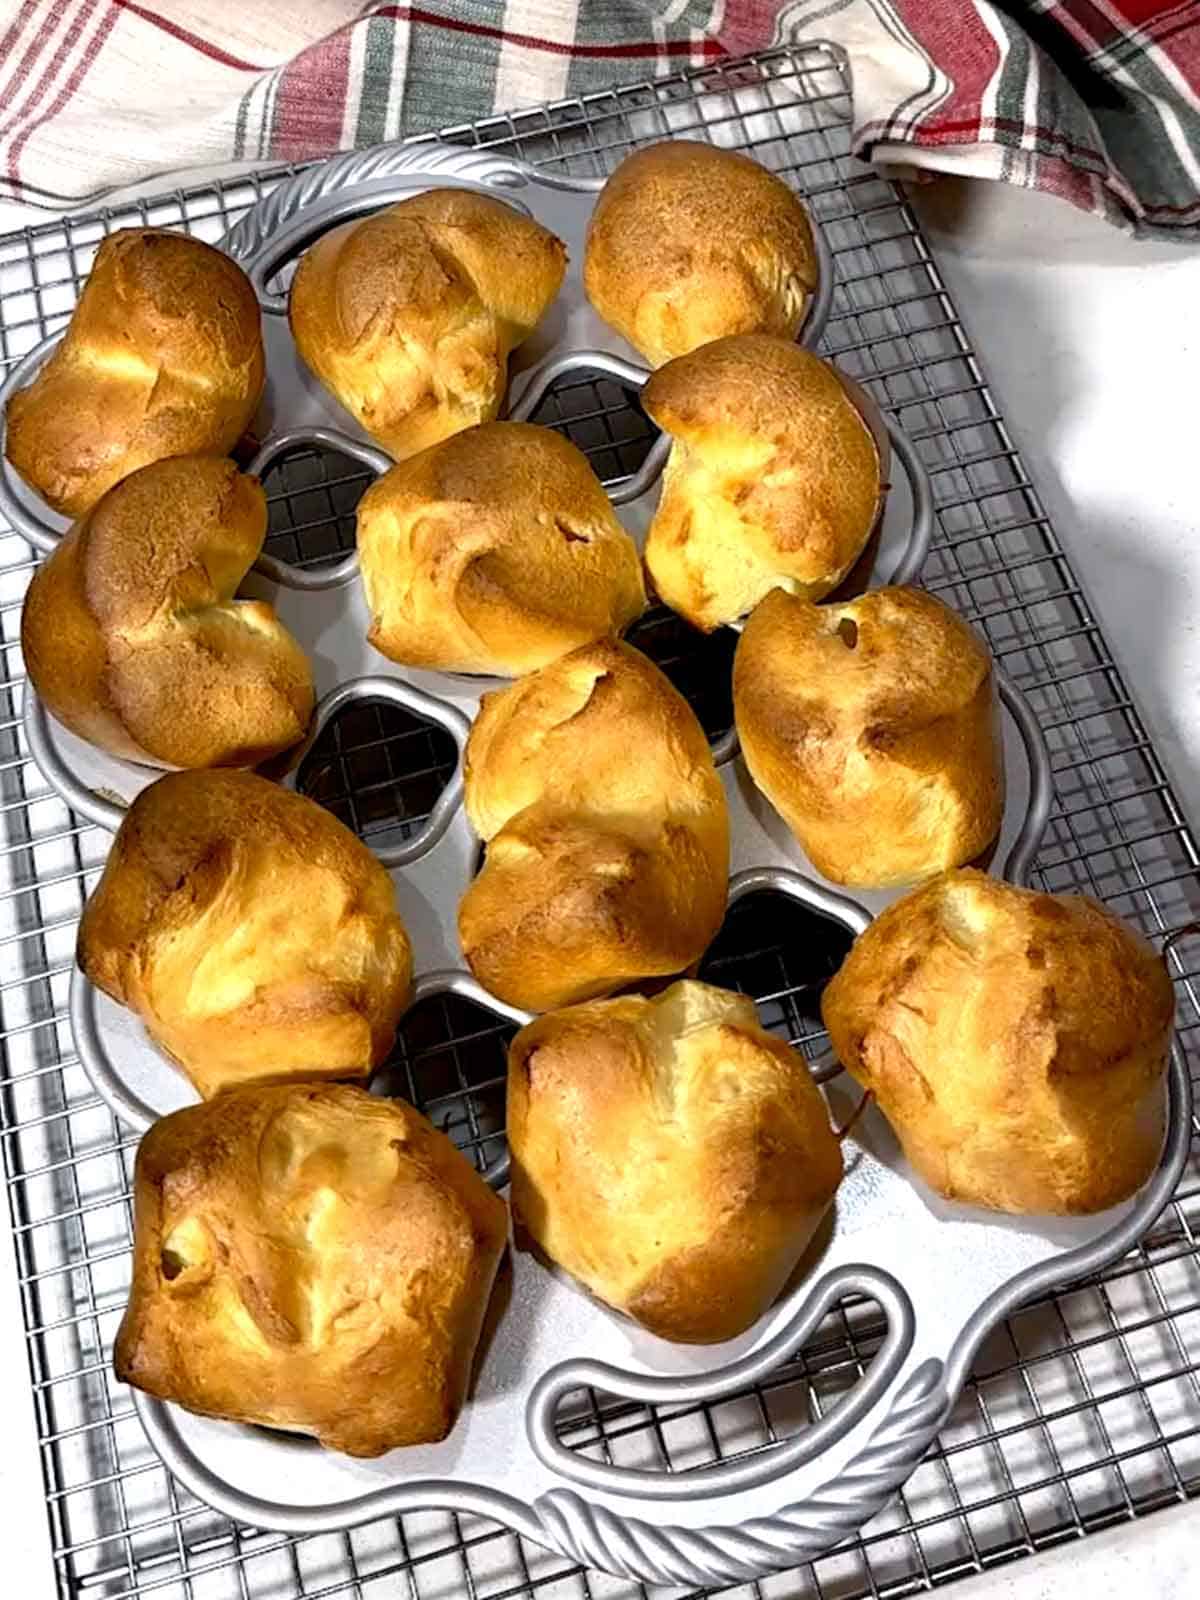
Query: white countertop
[{"x": 1091, "y": 343}]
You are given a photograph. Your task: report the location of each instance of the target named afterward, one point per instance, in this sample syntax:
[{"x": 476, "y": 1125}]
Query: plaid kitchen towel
[{"x": 1094, "y": 100}]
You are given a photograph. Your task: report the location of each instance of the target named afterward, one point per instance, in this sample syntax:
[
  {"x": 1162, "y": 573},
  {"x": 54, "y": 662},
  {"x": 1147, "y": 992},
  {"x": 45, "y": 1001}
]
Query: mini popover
[
  {"x": 163, "y": 356},
  {"x": 251, "y": 932},
  {"x": 1017, "y": 1043},
  {"x": 872, "y": 726},
  {"x": 495, "y": 551},
  {"x": 688, "y": 243},
  {"x": 606, "y": 827},
  {"x": 774, "y": 478},
  {"x": 134, "y": 639},
  {"x": 670, "y": 1154},
  {"x": 309, "y": 1257},
  {"x": 408, "y": 316}
]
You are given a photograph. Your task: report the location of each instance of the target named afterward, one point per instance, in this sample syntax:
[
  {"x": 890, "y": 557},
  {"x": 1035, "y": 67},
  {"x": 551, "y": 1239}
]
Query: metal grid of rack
[
  {"x": 1083, "y": 1409},
  {"x": 311, "y": 496}
]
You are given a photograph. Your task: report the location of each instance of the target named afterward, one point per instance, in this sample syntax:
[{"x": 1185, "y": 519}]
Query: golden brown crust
[
  {"x": 670, "y": 1154},
  {"x": 495, "y": 551},
  {"x": 1017, "y": 1043},
  {"x": 688, "y": 243},
  {"x": 774, "y": 479},
  {"x": 133, "y": 638},
  {"x": 408, "y": 316},
  {"x": 309, "y": 1257},
  {"x": 254, "y": 935},
  {"x": 163, "y": 356},
  {"x": 607, "y": 831},
  {"x": 872, "y": 727}
]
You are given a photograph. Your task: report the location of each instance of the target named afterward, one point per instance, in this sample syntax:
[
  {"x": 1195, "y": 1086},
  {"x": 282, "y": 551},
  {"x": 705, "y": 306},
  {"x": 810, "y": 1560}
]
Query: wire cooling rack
[{"x": 1083, "y": 1410}]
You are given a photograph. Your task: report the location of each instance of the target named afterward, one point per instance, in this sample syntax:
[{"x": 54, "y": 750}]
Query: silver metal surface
[
  {"x": 554, "y": 1340},
  {"x": 1079, "y": 1410},
  {"x": 435, "y": 865}
]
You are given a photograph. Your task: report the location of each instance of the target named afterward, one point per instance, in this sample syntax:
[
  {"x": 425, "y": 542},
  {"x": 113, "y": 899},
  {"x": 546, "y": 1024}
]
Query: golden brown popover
[
  {"x": 134, "y": 640},
  {"x": 688, "y": 243},
  {"x": 606, "y": 827},
  {"x": 1016, "y": 1042},
  {"x": 495, "y": 551},
  {"x": 872, "y": 727},
  {"x": 251, "y": 932},
  {"x": 408, "y": 316},
  {"x": 670, "y": 1154},
  {"x": 310, "y": 1257},
  {"x": 774, "y": 478},
  {"x": 163, "y": 356}
]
